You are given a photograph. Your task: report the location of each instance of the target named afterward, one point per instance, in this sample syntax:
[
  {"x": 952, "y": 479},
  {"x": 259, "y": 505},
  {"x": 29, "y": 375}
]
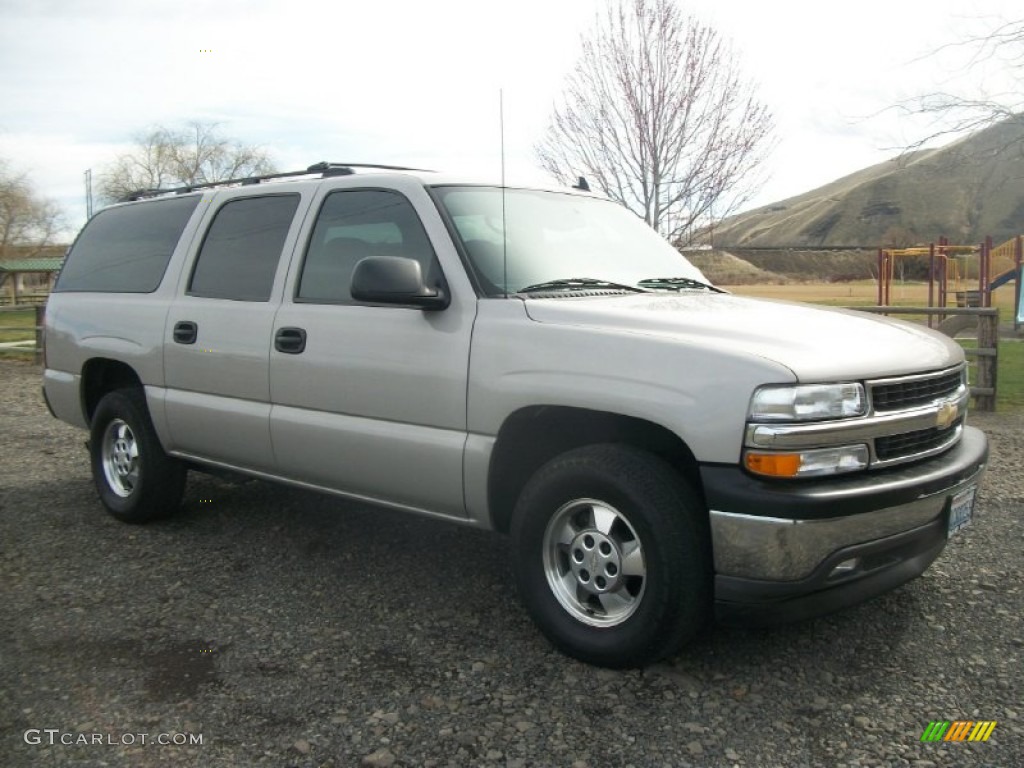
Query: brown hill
[
  {"x": 809, "y": 264},
  {"x": 724, "y": 268},
  {"x": 965, "y": 190}
]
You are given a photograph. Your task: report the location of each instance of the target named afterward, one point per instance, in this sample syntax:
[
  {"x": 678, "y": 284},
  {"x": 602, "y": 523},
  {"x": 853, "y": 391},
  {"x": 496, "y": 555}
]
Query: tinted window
[
  {"x": 126, "y": 249},
  {"x": 239, "y": 256},
  {"x": 353, "y": 225}
]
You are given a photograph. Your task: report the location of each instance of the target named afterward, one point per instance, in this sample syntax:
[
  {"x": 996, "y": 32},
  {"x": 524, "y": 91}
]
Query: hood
[{"x": 815, "y": 343}]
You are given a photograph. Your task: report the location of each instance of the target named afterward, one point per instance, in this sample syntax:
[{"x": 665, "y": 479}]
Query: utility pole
[{"x": 88, "y": 194}]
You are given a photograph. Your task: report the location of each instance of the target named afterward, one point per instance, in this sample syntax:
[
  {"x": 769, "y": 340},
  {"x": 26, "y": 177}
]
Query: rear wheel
[
  {"x": 612, "y": 555},
  {"x": 137, "y": 482}
]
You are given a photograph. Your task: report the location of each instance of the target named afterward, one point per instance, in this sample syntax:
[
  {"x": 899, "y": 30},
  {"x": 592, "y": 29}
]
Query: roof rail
[{"x": 324, "y": 168}]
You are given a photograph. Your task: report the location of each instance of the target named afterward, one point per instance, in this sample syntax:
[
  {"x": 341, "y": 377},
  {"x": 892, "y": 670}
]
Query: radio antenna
[{"x": 504, "y": 227}]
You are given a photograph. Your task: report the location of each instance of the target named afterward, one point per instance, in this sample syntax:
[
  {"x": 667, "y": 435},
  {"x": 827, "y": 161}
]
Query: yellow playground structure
[{"x": 965, "y": 273}]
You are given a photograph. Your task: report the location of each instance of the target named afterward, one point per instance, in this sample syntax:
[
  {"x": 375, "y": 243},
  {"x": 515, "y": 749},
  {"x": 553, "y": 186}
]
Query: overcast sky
[{"x": 416, "y": 82}]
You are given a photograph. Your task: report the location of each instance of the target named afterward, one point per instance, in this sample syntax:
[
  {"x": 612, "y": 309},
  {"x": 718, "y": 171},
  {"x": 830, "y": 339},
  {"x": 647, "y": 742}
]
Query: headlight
[
  {"x": 808, "y": 402},
  {"x": 811, "y": 463}
]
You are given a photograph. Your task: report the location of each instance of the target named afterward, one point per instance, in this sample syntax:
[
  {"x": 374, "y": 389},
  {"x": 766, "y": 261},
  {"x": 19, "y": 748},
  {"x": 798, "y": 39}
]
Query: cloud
[{"x": 416, "y": 83}]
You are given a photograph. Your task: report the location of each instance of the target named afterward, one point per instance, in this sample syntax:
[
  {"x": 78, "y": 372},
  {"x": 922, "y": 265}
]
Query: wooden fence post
[
  {"x": 983, "y": 389},
  {"x": 40, "y": 319},
  {"x": 988, "y": 338}
]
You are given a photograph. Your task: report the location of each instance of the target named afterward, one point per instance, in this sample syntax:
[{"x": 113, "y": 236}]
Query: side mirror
[{"x": 395, "y": 280}]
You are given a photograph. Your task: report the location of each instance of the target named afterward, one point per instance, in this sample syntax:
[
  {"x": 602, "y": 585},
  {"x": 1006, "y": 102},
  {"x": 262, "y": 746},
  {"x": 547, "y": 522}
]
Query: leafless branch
[
  {"x": 28, "y": 222},
  {"x": 956, "y": 112},
  {"x": 167, "y": 157},
  {"x": 658, "y": 117}
]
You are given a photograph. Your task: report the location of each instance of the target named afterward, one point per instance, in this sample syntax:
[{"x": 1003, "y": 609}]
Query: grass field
[
  {"x": 22, "y": 318},
  {"x": 16, "y": 326},
  {"x": 1010, "y": 386},
  {"x": 863, "y": 293},
  {"x": 1010, "y": 377}
]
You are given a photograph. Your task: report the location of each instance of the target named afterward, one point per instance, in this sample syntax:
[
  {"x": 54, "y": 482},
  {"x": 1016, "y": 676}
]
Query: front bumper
[{"x": 777, "y": 545}]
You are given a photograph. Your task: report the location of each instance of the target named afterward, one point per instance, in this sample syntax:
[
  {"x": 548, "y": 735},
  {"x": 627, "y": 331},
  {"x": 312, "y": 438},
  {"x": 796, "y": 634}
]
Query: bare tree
[
  {"x": 28, "y": 222},
  {"x": 656, "y": 113},
  {"x": 976, "y": 106},
  {"x": 168, "y": 157}
]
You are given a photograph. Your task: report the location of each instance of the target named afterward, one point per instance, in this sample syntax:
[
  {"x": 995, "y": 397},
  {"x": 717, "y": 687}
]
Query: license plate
[{"x": 961, "y": 509}]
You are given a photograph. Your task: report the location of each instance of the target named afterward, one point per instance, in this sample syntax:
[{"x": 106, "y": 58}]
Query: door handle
[
  {"x": 186, "y": 332},
  {"x": 291, "y": 341}
]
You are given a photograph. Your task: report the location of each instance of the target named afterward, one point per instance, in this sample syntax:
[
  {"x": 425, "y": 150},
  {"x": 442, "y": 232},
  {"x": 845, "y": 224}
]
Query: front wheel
[
  {"x": 137, "y": 482},
  {"x": 612, "y": 555}
]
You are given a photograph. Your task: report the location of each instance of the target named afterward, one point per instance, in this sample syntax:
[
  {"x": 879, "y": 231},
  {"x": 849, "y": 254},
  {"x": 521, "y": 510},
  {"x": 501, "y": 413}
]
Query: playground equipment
[{"x": 949, "y": 272}]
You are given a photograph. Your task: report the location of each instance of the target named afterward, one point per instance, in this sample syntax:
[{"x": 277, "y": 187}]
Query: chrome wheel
[
  {"x": 594, "y": 562},
  {"x": 120, "y": 457}
]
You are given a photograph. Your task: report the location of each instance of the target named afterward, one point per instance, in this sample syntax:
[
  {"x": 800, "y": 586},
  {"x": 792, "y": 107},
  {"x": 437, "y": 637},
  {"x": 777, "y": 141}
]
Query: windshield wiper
[
  {"x": 677, "y": 284},
  {"x": 578, "y": 284}
]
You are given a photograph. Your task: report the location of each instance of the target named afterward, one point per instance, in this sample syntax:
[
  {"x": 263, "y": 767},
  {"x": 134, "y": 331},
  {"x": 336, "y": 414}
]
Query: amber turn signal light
[{"x": 774, "y": 464}]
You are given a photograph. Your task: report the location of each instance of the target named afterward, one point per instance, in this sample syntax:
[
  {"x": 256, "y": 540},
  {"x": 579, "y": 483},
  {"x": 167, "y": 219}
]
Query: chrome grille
[
  {"x": 909, "y": 418},
  {"x": 914, "y": 391},
  {"x": 915, "y": 443}
]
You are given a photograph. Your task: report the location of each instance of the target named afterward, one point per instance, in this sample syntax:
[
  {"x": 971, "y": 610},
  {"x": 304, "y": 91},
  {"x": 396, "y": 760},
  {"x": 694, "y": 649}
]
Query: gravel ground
[{"x": 288, "y": 629}]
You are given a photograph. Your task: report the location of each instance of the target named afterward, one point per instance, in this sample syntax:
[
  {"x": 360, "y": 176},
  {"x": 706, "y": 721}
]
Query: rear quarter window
[
  {"x": 126, "y": 249},
  {"x": 242, "y": 248}
]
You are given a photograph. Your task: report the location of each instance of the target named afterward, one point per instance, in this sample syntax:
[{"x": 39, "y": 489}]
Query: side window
[
  {"x": 240, "y": 253},
  {"x": 352, "y": 225},
  {"x": 126, "y": 249}
]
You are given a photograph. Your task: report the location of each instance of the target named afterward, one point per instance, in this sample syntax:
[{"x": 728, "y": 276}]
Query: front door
[{"x": 374, "y": 403}]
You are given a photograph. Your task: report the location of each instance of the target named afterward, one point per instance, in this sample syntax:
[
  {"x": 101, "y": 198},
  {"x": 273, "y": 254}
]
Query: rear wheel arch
[
  {"x": 100, "y": 376},
  {"x": 532, "y": 436}
]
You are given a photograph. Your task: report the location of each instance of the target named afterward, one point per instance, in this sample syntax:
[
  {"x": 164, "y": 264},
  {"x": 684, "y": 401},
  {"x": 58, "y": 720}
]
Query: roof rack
[{"x": 324, "y": 168}]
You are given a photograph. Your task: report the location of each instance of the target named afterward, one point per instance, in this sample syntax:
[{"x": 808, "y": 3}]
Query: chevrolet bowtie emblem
[{"x": 947, "y": 415}]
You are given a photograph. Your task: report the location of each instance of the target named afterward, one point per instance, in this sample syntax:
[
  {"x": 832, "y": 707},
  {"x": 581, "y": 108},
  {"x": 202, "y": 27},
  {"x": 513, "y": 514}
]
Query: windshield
[{"x": 554, "y": 236}]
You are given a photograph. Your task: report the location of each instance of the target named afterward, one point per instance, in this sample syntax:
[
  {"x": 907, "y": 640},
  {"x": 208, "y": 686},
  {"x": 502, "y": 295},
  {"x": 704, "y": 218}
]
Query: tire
[
  {"x": 612, "y": 556},
  {"x": 137, "y": 482}
]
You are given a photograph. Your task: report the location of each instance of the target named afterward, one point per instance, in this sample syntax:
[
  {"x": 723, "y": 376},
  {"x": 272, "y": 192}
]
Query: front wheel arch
[{"x": 534, "y": 435}]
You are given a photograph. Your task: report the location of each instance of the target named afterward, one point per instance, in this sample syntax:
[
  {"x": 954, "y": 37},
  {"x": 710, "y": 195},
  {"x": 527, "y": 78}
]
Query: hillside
[
  {"x": 762, "y": 266},
  {"x": 724, "y": 268},
  {"x": 965, "y": 190}
]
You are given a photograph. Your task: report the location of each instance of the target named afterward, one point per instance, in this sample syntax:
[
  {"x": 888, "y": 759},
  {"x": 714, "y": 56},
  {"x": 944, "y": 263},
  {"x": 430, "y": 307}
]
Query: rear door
[
  {"x": 218, "y": 335},
  {"x": 374, "y": 404}
]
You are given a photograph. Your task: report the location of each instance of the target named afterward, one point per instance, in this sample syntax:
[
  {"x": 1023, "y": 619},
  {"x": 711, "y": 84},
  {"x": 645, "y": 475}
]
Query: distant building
[{"x": 28, "y": 281}]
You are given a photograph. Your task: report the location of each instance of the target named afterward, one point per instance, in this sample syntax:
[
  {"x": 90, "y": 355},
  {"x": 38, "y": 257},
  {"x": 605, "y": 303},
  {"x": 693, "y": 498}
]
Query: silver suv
[{"x": 538, "y": 362}]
